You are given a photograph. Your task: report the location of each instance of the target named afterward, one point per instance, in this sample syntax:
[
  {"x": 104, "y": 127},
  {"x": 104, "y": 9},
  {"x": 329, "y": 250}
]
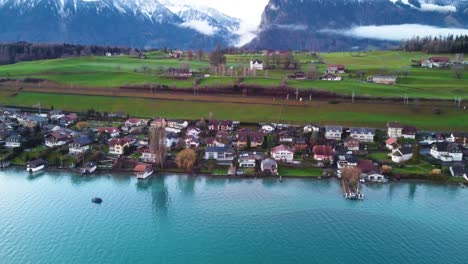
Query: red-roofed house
[
  {"x": 282, "y": 153},
  {"x": 436, "y": 62},
  {"x": 322, "y": 153},
  {"x": 336, "y": 68},
  {"x": 113, "y": 131}
]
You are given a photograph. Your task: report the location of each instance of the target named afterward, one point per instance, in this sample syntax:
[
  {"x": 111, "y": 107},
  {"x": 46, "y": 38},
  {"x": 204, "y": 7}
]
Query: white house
[
  {"x": 13, "y": 141},
  {"x": 311, "y": 128},
  {"x": 330, "y": 77},
  {"x": 391, "y": 143},
  {"x": 256, "y": 65},
  {"x": 401, "y": 155},
  {"x": 79, "y": 145},
  {"x": 247, "y": 161},
  {"x": 282, "y": 153},
  {"x": 362, "y": 134},
  {"x": 394, "y": 129},
  {"x": 446, "y": 151},
  {"x": 267, "y": 128},
  {"x": 117, "y": 146},
  {"x": 436, "y": 62},
  {"x": 333, "y": 132},
  {"x": 269, "y": 166}
]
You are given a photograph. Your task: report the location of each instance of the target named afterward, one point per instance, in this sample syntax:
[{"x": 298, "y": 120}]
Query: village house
[
  {"x": 286, "y": 136},
  {"x": 112, "y": 131},
  {"x": 311, "y": 128},
  {"x": 14, "y": 141},
  {"x": 394, "y": 129},
  {"x": 323, "y": 153},
  {"x": 249, "y": 159},
  {"x": 362, "y": 134},
  {"x": 171, "y": 140},
  {"x": 330, "y": 77},
  {"x": 333, "y": 132},
  {"x": 401, "y": 155},
  {"x": 177, "y": 54},
  {"x": 299, "y": 75},
  {"x": 182, "y": 73},
  {"x": 68, "y": 119},
  {"x": 193, "y": 131},
  {"x": 223, "y": 125},
  {"x": 282, "y": 153},
  {"x": 58, "y": 138},
  {"x": 220, "y": 154},
  {"x": 436, "y": 62},
  {"x": 147, "y": 156},
  {"x": 370, "y": 171},
  {"x": 192, "y": 141},
  {"x": 176, "y": 125},
  {"x": 269, "y": 166},
  {"x": 159, "y": 123},
  {"x": 391, "y": 143},
  {"x": 335, "y": 68},
  {"x": 256, "y": 65},
  {"x": 409, "y": 132},
  {"x": 447, "y": 151},
  {"x": 117, "y": 146},
  {"x": 214, "y": 142},
  {"x": 268, "y": 128},
  {"x": 300, "y": 144},
  {"x": 352, "y": 144},
  {"x": 460, "y": 138},
  {"x": 379, "y": 79},
  {"x": 136, "y": 122},
  {"x": 253, "y": 137},
  {"x": 56, "y": 114},
  {"x": 31, "y": 121},
  {"x": 346, "y": 161},
  {"x": 79, "y": 145}
]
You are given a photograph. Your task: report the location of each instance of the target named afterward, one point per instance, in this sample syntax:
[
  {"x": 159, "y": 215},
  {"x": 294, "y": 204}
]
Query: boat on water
[
  {"x": 354, "y": 196},
  {"x": 89, "y": 168},
  {"x": 36, "y": 165},
  {"x": 144, "y": 171},
  {"x": 462, "y": 185}
]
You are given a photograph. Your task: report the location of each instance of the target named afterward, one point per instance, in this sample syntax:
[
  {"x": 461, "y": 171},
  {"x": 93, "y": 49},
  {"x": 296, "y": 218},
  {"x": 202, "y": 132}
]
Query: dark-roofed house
[
  {"x": 459, "y": 137},
  {"x": 333, "y": 132},
  {"x": 447, "y": 151},
  {"x": 394, "y": 129},
  {"x": 13, "y": 141},
  {"x": 220, "y": 154},
  {"x": 256, "y": 65},
  {"x": 409, "y": 132},
  {"x": 362, "y": 134},
  {"x": 401, "y": 155},
  {"x": 346, "y": 161},
  {"x": 224, "y": 125},
  {"x": 79, "y": 145}
]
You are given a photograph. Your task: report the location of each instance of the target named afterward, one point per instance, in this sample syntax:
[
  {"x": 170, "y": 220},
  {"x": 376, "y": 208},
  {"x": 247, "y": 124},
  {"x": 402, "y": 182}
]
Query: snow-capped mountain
[
  {"x": 139, "y": 23},
  {"x": 329, "y": 25}
]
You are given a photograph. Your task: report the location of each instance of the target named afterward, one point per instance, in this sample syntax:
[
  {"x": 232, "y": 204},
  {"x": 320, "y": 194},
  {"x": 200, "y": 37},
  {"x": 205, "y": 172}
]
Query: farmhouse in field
[
  {"x": 256, "y": 65},
  {"x": 330, "y": 77},
  {"x": 436, "y": 62},
  {"x": 335, "y": 68},
  {"x": 381, "y": 79},
  {"x": 179, "y": 73},
  {"x": 299, "y": 75}
]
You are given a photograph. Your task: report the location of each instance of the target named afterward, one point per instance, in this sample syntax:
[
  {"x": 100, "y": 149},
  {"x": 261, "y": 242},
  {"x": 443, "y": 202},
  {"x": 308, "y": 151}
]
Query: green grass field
[
  {"x": 119, "y": 71},
  {"x": 300, "y": 172},
  {"x": 452, "y": 119}
]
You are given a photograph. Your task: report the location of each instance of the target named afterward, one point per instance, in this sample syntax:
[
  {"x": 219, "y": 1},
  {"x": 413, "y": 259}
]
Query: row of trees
[
  {"x": 23, "y": 51},
  {"x": 448, "y": 44}
]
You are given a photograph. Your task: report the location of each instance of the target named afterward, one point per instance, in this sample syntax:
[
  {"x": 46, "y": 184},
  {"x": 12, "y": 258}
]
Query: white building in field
[{"x": 256, "y": 65}]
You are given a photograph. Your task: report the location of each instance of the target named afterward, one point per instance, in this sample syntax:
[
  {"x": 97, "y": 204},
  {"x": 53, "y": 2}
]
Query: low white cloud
[
  {"x": 398, "y": 32},
  {"x": 246, "y": 32},
  {"x": 292, "y": 26},
  {"x": 201, "y": 26},
  {"x": 438, "y": 8}
]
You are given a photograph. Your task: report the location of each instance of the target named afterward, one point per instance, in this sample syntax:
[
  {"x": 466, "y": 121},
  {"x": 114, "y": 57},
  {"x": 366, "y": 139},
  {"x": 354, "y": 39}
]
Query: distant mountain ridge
[
  {"x": 136, "y": 23},
  {"x": 306, "y": 24}
]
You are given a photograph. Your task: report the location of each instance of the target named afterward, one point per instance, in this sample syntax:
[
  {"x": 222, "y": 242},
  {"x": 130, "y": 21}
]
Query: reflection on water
[{"x": 160, "y": 194}]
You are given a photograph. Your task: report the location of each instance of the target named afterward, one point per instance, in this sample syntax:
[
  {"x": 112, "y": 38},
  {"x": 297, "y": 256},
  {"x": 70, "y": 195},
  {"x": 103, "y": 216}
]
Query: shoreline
[{"x": 206, "y": 175}]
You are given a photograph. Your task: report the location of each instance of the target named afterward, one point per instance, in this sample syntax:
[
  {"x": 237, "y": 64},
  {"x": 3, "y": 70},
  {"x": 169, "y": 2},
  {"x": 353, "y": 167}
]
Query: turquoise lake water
[{"x": 49, "y": 218}]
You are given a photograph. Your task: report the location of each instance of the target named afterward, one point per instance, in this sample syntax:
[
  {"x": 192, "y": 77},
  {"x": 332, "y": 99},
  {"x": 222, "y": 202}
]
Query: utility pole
[{"x": 353, "y": 97}]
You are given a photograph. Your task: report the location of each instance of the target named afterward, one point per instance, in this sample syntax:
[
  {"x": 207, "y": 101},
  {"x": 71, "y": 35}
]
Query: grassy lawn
[
  {"x": 378, "y": 156},
  {"x": 221, "y": 171},
  {"x": 451, "y": 119},
  {"x": 422, "y": 169},
  {"x": 119, "y": 71},
  {"x": 299, "y": 172}
]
